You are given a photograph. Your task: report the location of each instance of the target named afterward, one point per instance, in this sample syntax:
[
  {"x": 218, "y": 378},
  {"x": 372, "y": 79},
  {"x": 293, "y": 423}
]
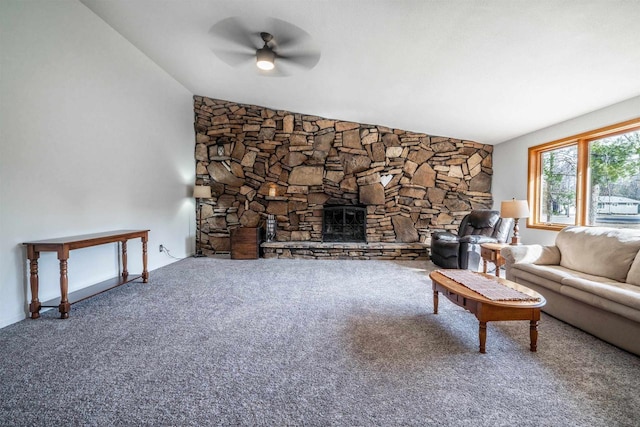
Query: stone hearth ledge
[{"x": 346, "y": 250}]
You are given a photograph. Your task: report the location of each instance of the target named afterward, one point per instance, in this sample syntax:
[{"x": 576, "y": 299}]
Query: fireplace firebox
[{"x": 344, "y": 224}]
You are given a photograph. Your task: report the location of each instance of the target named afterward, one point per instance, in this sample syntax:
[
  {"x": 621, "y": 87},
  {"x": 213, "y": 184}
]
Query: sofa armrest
[
  {"x": 445, "y": 236},
  {"x": 477, "y": 239},
  {"x": 531, "y": 254}
]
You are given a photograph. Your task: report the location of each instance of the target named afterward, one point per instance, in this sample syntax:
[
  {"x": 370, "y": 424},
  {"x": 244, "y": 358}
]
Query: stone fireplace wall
[{"x": 260, "y": 161}]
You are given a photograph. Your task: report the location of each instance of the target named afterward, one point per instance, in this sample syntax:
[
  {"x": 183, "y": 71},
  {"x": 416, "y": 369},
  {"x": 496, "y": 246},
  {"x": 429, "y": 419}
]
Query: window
[{"x": 587, "y": 179}]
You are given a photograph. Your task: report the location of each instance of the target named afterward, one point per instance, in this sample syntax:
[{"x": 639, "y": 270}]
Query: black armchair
[{"x": 449, "y": 250}]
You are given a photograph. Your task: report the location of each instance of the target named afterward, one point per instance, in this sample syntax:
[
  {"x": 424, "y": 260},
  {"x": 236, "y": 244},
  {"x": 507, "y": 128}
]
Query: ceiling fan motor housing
[
  {"x": 266, "y": 37},
  {"x": 265, "y": 58}
]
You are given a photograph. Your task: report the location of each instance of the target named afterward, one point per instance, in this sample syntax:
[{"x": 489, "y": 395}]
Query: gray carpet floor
[{"x": 303, "y": 342}]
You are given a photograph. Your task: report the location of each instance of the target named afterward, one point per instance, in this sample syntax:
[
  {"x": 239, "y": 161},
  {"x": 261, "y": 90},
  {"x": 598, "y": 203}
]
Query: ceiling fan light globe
[
  {"x": 265, "y": 65},
  {"x": 265, "y": 58}
]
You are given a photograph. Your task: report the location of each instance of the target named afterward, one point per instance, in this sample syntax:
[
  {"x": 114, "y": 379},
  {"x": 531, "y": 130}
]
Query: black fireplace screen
[{"x": 344, "y": 224}]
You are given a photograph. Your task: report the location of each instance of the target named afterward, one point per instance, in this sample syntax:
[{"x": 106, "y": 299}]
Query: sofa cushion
[
  {"x": 554, "y": 273},
  {"x": 621, "y": 293},
  {"x": 634, "y": 272},
  {"x": 600, "y": 251},
  {"x": 523, "y": 275},
  {"x": 601, "y": 303}
]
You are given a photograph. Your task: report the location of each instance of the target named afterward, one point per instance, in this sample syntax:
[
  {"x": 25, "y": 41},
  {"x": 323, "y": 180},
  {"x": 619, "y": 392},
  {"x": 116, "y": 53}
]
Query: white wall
[
  {"x": 510, "y": 161},
  {"x": 94, "y": 137}
]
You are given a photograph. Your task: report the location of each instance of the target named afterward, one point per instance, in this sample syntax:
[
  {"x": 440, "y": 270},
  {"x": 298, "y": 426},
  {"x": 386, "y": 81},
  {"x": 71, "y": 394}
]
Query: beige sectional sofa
[{"x": 590, "y": 279}]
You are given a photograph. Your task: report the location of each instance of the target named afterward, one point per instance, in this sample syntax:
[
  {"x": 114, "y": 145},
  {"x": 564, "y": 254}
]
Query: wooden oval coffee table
[{"x": 486, "y": 309}]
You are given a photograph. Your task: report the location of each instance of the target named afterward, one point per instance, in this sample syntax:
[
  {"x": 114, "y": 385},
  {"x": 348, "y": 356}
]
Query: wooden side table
[
  {"x": 490, "y": 252},
  {"x": 245, "y": 243}
]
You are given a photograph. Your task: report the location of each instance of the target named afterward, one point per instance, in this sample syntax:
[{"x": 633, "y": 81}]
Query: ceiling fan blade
[
  {"x": 305, "y": 60},
  {"x": 232, "y": 32},
  {"x": 234, "y": 58},
  {"x": 287, "y": 35}
]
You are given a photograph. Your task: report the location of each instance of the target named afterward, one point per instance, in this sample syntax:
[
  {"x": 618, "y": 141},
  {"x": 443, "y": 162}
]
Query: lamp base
[{"x": 515, "y": 239}]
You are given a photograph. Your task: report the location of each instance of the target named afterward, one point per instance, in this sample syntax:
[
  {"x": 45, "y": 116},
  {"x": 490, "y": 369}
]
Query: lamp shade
[
  {"x": 514, "y": 209},
  {"x": 202, "y": 192}
]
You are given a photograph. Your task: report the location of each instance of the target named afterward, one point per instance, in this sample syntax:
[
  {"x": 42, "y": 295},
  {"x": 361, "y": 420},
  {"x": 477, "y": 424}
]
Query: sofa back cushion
[
  {"x": 633, "y": 277},
  {"x": 480, "y": 221},
  {"x": 485, "y": 222},
  {"x": 601, "y": 251}
]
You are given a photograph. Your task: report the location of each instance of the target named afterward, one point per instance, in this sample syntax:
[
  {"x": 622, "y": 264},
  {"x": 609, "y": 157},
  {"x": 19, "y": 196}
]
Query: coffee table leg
[
  {"x": 435, "y": 302},
  {"x": 533, "y": 334},
  {"x": 482, "y": 332}
]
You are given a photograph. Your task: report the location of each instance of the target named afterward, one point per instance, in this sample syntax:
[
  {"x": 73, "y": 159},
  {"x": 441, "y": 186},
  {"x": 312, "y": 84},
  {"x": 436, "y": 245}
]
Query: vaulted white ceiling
[{"x": 486, "y": 71}]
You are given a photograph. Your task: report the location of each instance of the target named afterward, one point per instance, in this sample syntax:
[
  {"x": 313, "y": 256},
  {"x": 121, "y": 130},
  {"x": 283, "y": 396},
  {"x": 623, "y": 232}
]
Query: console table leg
[
  {"x": 145, "y": 273},
  {"x": 34, "y": 307},
  {"x": 435, "y": 302},
  {"x": 64, "y": 308},
  {"x": 533, "y": 334},
  {"x": 482, "y": 332},
  {"x": 125, "y": 272}
]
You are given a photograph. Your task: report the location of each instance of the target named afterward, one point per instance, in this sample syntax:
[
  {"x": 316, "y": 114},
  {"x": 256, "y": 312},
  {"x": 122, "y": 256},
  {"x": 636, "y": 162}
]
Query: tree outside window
[
  {"x": 615, "y": 179},
  {"x": 559, "y": 185}
]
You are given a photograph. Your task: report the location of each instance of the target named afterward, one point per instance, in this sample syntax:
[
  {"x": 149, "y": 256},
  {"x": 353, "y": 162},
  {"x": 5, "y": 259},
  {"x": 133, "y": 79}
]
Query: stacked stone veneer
[{"x": 411, "y": 183}]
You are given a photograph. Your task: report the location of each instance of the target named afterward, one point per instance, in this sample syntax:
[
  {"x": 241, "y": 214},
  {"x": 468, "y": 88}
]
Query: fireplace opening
[{"x": 344, "y": 224}]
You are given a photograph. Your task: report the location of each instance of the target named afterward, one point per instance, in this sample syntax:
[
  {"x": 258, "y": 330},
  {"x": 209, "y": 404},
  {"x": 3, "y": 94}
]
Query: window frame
[{"x": 581, "y": 141}]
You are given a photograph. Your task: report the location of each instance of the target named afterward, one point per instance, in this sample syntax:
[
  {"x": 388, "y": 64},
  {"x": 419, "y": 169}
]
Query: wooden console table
[{"x": 62, "y": 246}]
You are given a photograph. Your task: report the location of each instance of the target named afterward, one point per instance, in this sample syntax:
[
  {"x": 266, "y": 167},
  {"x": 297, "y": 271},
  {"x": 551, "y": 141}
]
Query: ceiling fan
[{"x": 277, "y": 49}]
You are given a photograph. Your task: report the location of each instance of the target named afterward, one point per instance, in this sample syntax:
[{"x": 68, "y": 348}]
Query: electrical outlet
[{"x": 161, "y": 248}]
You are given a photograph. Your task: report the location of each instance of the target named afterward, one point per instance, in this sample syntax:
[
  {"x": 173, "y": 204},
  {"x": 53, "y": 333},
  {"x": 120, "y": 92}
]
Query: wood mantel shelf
[{"x": 62, "y": 246}]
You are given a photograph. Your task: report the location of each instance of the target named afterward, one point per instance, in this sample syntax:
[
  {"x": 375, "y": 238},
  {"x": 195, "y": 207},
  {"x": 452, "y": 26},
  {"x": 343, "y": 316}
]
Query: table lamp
[{"x": 515, "y": 209}]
